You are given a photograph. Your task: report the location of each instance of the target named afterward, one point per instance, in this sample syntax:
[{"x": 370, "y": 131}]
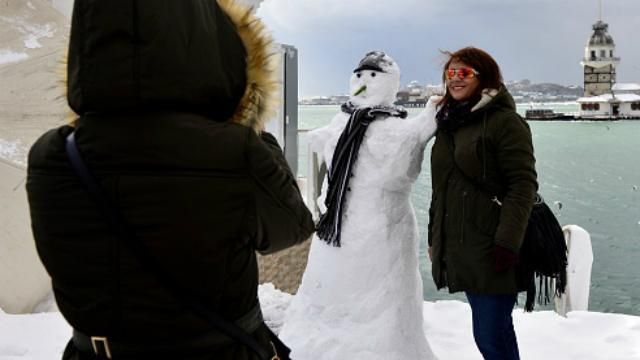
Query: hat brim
[{"x": 368, "y": 67}]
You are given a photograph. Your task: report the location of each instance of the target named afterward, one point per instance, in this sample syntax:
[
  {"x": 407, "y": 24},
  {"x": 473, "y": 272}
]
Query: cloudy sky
[{"x": 539, "y": 40}]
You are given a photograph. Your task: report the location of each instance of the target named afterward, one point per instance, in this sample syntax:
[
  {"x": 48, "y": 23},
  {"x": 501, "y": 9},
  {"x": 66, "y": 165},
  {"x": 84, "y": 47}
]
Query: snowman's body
[{"x": 363, "y": 300}]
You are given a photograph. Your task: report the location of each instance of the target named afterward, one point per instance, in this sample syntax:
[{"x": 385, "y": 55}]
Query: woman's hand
[
  {"x": 434, "y": 100},
  {"x": 504, "y": 259}
]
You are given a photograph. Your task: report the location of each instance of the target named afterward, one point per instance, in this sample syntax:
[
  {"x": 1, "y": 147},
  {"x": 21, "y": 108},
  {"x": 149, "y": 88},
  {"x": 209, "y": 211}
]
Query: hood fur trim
[
  {"x": 486, "y": 97},
  {"x": 70, "y": 116},
  {"x": 261, "y": 95}
]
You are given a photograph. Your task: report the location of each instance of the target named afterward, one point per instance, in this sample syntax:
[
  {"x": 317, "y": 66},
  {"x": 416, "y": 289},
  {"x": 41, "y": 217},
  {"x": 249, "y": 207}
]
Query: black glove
[{"x": 504, "y": 259}]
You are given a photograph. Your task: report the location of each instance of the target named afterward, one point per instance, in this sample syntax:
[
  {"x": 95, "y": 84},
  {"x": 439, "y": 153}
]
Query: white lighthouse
[
  {"x": 599, "y": 61},
  {"x": 604, "y": 99}
]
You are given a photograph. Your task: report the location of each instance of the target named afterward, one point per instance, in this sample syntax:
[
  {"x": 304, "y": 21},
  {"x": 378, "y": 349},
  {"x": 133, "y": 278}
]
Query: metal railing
[{"x": 316, "y": 171}]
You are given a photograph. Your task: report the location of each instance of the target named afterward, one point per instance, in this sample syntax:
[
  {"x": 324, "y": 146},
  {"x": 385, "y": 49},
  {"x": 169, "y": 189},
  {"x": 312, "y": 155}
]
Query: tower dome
[{"x": 600, "y": 36}]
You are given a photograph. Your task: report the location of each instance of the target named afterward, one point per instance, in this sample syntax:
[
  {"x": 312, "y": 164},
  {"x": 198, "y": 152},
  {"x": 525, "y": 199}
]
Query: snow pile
[
  {"x": 274, "y": 303},
  {"x": 33, "y": 337},
  {"x": 30, "y": 32},
  {"x": 14, "y": 151},
  {"x": 541, "y": 335},
  {"x": 29, "y": 29},
  {"x": 8, "y": 56}
]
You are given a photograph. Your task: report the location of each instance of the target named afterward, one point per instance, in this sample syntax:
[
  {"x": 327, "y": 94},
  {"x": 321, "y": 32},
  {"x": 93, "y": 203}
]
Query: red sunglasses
[{"x": 462, "y": 73}]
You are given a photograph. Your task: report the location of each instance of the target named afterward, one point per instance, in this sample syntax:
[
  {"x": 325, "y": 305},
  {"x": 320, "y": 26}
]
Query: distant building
[
  {"x": 324, "y": 100},
  {"x": 599, "y": 62},
  {"x": 416, "y": 95},
  {"x": 603, "y": 98}
]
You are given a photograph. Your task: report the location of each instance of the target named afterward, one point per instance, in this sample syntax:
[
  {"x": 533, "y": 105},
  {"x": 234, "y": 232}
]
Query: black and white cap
[{"x": 376, "y": 61}]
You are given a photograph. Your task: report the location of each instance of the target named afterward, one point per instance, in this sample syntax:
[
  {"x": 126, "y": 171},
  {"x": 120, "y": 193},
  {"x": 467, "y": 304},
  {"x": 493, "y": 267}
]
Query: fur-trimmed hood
[
  {"x": 261, "y": 94},
  {"x": 213, "y": 58},
  {"x": 494, "y": 97}
]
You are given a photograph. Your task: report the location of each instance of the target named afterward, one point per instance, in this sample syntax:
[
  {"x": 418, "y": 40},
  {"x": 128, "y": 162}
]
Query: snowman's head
[{"x": 375, "y": 82}]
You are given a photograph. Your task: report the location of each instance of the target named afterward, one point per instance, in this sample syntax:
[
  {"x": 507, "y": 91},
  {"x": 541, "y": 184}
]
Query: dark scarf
[
  {"x": 454, "y": 114},
  {"x": 344, "y": 157}
]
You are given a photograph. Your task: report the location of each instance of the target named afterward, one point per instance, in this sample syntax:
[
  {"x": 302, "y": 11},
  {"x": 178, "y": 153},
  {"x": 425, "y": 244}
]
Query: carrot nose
[{"x": 362, "y": 89}]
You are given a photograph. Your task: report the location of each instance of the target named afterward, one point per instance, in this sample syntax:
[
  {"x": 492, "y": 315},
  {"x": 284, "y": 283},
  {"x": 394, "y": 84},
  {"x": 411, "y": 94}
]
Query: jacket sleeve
[
  {"x": 283, "y": 219},
  {"x": 517, "y": 165}
]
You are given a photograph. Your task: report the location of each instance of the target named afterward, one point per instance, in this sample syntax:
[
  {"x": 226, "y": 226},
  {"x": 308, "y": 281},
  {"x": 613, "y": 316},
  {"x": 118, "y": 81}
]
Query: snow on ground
[
  {"x": 8, "y": 56},
  {"x": 542, "y": 335},
  {"x": 33, "y": 337},
  {"x": 14, "y": 151},
  {"x": 31, "y": 32}
]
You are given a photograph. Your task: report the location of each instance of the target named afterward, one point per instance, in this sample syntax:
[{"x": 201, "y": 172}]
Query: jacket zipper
[{"x": 464, "y": 205}]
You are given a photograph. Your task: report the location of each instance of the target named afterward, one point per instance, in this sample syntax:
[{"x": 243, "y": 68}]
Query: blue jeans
[{"x": 493, "y": 326}]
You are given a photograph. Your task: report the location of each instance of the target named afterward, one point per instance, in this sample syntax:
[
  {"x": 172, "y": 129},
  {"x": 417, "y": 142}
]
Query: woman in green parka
[{"x": 484, "y": 185}]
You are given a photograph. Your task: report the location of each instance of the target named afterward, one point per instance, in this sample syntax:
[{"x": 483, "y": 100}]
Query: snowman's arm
[
  {"x": 317, "y": 138},
  {"x": 424, "y": 124}
]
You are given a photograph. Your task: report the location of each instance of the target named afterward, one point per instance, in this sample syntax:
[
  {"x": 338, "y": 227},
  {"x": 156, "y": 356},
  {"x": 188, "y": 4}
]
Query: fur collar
[
  {"x": 261, "y": 94},
  {"x": 485, "y": 97}
]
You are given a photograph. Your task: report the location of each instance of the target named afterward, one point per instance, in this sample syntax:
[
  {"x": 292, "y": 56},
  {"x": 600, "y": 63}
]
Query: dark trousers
[{"x": 493, "y": 326}]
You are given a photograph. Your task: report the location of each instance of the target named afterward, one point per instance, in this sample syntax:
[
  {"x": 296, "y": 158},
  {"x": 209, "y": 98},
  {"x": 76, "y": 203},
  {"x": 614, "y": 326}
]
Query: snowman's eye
[
  {"x": 373, "y": 74},
  {"x": 359, "y": 75}
]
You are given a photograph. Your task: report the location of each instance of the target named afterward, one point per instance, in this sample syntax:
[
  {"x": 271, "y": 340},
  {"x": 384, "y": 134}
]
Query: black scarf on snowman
[{"x": 342, "y": 162}]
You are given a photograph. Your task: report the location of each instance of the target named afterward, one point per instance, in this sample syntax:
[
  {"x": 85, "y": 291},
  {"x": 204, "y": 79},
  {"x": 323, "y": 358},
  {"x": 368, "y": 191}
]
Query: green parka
[{"x": 494, "y": 155}]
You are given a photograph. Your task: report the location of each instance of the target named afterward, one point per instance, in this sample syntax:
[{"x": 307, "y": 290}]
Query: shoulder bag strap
[{"x": 127, "y": 236}]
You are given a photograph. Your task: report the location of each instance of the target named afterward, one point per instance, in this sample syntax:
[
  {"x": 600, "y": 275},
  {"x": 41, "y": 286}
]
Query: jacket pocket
[{"x": 484, "y": 213}]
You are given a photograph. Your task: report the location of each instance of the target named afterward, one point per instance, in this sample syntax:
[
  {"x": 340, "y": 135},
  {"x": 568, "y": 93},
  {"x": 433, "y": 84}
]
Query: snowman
[{"x": 361, "y": 293}]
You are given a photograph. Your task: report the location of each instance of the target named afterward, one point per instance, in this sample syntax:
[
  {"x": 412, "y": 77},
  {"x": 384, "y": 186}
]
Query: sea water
[{"x": 588, "y": 172}]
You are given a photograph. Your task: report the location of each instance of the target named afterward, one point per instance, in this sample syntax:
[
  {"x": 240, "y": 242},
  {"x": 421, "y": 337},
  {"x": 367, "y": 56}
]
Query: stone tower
[{"x": 599, "y": 62}]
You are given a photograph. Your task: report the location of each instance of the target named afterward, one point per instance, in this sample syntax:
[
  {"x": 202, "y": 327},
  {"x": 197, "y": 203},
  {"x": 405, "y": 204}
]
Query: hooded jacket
[
  {"x": 170, "y": 97},
  {"x": 489, "y": 155}
]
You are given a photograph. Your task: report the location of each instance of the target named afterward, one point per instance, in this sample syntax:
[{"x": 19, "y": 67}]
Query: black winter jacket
[
  {"x": 202, "y": 192},
  {"x": 491, "y": 154}
]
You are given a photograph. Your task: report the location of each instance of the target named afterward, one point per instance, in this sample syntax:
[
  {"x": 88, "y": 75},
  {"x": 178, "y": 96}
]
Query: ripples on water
[{"x": 591, "y": 169}]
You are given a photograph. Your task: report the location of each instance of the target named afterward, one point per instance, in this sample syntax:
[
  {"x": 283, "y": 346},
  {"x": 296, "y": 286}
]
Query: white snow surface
[
  {"x": 370, "y": 287},
  {"x": 625, "y": 87},
  {"x": 542, "y": 335},
  {"x": 7, "y": 56},
  {"x": 14, "y": 151},
  {"x": 609, "y": 98},
  {"x": 31, "y": 32}
]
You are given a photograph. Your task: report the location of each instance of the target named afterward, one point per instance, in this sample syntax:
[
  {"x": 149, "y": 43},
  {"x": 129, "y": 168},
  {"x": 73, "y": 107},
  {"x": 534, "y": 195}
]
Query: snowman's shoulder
[
  {"x": 318, "y": 137},
  {"x": 421, "y": 126},
  {"x": 393, "y": 125}
]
